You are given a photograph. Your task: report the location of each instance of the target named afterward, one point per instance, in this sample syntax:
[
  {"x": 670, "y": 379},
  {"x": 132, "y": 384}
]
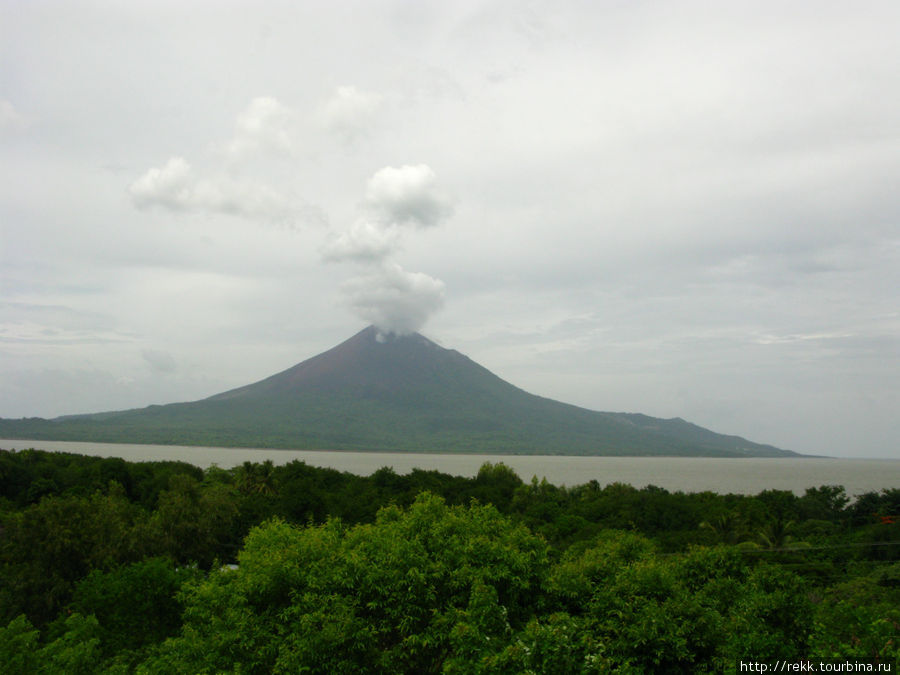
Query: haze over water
[{"x": 687, "y": 474}]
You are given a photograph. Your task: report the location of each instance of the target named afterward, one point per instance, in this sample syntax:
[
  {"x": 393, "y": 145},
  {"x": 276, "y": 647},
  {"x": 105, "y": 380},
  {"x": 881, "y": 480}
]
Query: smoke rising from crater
[
  {"x": 393, "y": 299},
  {"x": 365, "y": 242},
  {"x": 385, "y": 294},
  {"x": 397, "y": 201}
]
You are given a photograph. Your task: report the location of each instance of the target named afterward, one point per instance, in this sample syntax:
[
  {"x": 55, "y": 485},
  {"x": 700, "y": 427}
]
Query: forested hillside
[
  {"x": 116, "y": 567},
  {"x": 393, "y": 394}
]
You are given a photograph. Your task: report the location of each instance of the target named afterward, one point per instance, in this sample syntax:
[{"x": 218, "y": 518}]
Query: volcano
[{"x": 392, "y": 393}]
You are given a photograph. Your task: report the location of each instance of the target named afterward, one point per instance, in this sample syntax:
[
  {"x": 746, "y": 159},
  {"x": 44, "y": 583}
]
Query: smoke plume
[
  {"x": 407, "y": 196},
  {"x": 385, "y": 294},
  {"x": 394, "y": 300},
  {"x": 397, "y": 201}
]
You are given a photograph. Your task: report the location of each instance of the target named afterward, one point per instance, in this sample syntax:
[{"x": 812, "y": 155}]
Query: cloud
[
  {"x": 176, "y": 187},
  {"x": 170, "y": 187},
  {"x": 365, "y": 241},
  {"x": 159, "y": 361},
  {"x": 407, "y": 195},
  {"x": 349, "y": 112},
  {"x": 394, "y": 300},
  {"x": 265, "y": 125},
  {"x": 10, "y": 118}
]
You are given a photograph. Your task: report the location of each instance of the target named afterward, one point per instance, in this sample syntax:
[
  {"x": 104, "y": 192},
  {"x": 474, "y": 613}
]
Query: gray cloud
[{"x": 159, "y": 361}]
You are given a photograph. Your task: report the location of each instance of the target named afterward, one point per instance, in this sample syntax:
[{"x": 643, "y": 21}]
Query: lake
[{"x": 687, "y": 474}]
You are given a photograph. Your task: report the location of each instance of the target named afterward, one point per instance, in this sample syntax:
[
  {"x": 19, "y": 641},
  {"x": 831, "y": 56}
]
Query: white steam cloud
[
  {"x": 388, "y": 296},
  {"x": 407, "y": 196},
  {"x": 365, "y": 242},
  {"x": 394, "y": 300}
]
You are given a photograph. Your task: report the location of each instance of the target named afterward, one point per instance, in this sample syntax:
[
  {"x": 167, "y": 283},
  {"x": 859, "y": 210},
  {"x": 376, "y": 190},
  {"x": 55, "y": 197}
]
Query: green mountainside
[{"x": 393, "y": 393}]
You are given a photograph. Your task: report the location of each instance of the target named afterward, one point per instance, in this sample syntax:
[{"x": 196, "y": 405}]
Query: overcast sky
[{"x": 683, "y": 209}]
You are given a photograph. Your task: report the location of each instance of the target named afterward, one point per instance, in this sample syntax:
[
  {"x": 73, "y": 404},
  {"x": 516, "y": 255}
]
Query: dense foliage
[{"x": 117, "y": 567}]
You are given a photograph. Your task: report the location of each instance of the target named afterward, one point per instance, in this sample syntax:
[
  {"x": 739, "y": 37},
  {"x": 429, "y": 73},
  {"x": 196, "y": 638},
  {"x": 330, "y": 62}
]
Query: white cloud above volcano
[{"x": 408, "y": 195}]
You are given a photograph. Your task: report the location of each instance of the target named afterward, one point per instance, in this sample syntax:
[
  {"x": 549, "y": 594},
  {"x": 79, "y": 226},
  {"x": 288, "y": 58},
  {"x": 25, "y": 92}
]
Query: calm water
[{"x": 747, "y": 476}]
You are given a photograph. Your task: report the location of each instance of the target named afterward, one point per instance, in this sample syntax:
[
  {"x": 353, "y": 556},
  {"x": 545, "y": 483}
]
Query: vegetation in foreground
[{"x": 116, "y": 567}]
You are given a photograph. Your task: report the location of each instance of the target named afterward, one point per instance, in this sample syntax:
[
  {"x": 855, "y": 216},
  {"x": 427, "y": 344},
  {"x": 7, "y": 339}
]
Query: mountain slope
[{"x": 396, "y": 393}]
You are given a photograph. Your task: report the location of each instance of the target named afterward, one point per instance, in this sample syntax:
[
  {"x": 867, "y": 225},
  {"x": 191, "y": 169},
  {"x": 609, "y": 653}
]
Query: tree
[
  {"x": 826, "y": 502},
  {"x": 18, "y": 647},
  {"x": 400, "y": 595},
  {"x": 771, "y": 617},
  {"x": 256, "y": 479},
  {"x": 496, "y": 484},
  {"x": 777, "y": 533},
  {"x": 76, "y": 650},
  {"x": 135, "y": 604},
  {"x": 48, "y": 546},
  {"x": 193, "y": 523},
  {"x": 860, "y": 618},
  {"x": 727, "y": 528}
]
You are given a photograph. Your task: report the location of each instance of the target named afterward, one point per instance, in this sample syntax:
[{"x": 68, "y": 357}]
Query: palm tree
[
  {"x": 777, "y": 533},
  {"x": 256, "y": 479},
  {"x": 727, "y": 527}
]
